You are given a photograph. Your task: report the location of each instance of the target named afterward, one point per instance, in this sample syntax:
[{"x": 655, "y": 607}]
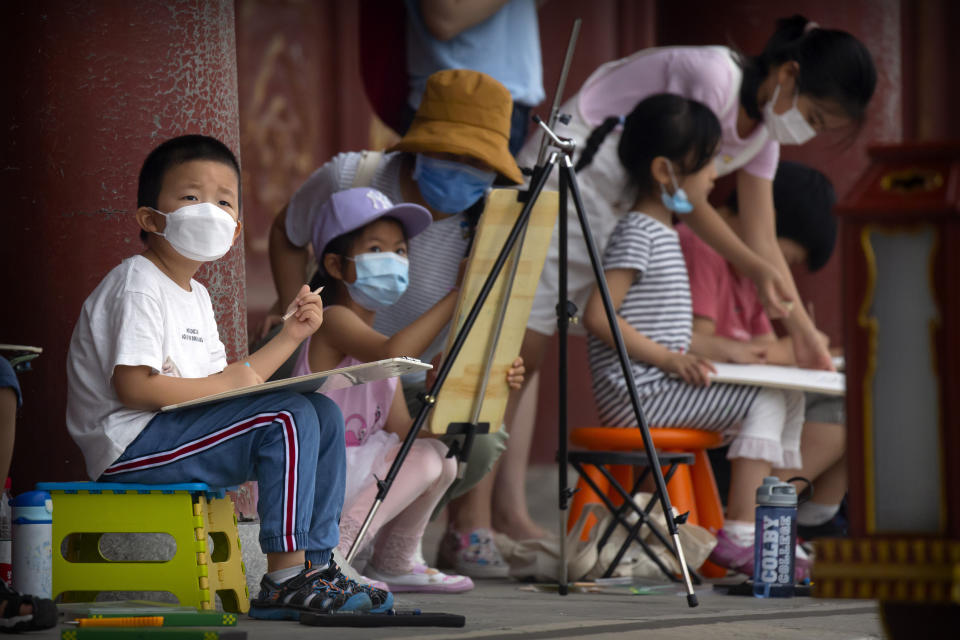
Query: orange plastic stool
[{"x": 692, "y": 487}]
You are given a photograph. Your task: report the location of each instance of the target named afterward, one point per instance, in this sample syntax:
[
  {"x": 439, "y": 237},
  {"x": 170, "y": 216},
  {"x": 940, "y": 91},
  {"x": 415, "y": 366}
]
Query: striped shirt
[
  {"x": 657, "y": 304},
  {"x": 435, "y": 254}
]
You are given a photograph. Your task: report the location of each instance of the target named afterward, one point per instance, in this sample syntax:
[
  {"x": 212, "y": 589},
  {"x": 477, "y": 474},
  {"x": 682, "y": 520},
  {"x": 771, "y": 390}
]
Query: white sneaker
[
  {"x": 422, "y": 579},
  {"x": 472, "y": 554}
]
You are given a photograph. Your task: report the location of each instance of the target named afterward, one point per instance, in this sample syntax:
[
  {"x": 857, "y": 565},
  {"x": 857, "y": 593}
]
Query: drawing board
[
  {"x": 320, "y": 381},
  {"x": 458, "y": 397},
  {"x": 768, "y": 375}
]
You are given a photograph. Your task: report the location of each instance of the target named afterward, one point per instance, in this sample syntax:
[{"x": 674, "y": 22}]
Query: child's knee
[
  {"x": 427, "y": 460},
  {"x": 304, "y": 420},
  {"x": 448, "y": 464},
  {"x": 328, "y": 413},
  {"x": 795, "y": 402},
  {"x": 449, "y": 473}
]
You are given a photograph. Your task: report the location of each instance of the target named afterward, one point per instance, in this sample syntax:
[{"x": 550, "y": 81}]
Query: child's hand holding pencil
[{"x": 305, "y": 314}]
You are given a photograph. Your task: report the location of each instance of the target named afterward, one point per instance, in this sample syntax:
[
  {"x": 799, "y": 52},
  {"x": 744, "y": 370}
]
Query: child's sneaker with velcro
[
  {"x": 310, "y": 591},
  {"x": 381, "y": 600}
]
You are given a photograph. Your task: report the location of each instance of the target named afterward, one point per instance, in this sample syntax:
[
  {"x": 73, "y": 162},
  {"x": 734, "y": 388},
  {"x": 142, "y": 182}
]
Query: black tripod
[
  {"x": 562, "y": 154},
  {"x": 560, "y": 151}
]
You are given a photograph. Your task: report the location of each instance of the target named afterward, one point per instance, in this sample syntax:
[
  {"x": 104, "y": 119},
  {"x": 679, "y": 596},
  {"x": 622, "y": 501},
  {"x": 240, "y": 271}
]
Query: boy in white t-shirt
[{"x": 147, "y": 338}]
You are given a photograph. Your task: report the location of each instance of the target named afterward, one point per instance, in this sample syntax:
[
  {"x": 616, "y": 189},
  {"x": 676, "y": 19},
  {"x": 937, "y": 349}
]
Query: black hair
[
  {"x": 834, "y": 66},
  {"x": 341, "y": 246},
  {"x": 803, "y": 199},
  {"x": 684, "y": 131},
  {"x": 175, "y": 152}
]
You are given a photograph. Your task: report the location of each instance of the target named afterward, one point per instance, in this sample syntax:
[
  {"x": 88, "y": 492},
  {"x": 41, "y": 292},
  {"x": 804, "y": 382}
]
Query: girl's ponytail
[
  {"x": 596, "y": 138},
  {"x": 779, "y": 49}
]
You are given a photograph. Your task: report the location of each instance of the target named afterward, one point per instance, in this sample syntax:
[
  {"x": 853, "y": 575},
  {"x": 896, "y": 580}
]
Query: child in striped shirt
[{"x": 667, "y": 147}]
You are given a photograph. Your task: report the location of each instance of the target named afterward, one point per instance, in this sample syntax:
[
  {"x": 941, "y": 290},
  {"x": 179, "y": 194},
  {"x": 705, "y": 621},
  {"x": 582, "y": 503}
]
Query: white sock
[
  {"x": 282, "y": 575},
  {"x": 740, "y": 532},
  {"x": 811, "y": 514}
]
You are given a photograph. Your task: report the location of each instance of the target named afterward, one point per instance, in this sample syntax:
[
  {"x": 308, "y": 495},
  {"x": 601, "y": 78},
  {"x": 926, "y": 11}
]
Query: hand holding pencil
[{"x": 305, "y": 314}]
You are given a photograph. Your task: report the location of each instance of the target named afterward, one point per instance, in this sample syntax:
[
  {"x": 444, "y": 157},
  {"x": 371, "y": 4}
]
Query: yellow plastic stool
[{"x": 85, "y": 511}]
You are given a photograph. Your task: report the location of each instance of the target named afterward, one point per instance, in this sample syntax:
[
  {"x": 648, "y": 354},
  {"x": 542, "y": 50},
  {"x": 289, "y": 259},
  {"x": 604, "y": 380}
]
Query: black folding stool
[{"x": 600, "y": 460}]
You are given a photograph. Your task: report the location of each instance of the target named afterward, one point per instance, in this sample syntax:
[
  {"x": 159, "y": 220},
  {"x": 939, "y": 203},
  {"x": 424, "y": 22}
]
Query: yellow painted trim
[
  {"x": 915, "y": 569},
  {"x": 870, "y": 324},
  {"x": 932, "y": 180}
]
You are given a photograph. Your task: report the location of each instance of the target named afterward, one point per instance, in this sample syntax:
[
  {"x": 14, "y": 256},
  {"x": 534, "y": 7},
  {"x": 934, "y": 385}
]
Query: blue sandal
[
  {"x": 310, "y": 591},
  {"x": 382, "y": 601}
]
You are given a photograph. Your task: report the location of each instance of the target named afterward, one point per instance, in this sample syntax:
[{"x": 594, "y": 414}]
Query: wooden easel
[{"x": 474, "y": 398}]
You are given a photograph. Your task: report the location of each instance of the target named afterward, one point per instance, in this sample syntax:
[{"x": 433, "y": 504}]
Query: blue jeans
[
  {"x": 292, "y": 444},
  {"x": 8, "y": 379}
]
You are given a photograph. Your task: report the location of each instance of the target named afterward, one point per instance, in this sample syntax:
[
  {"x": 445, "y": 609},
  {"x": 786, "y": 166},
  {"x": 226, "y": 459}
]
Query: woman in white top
[{"x": 806, "y": 80}]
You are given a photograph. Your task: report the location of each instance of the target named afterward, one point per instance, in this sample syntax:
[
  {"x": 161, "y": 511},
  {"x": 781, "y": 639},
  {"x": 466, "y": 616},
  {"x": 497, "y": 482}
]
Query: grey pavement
[
  {"x": 504, "y": 609},
  {"x": 498, "y": 609}
]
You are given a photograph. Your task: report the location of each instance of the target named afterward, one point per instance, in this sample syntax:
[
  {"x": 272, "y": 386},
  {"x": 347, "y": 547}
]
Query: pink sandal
[{"x": 731, "y": 555}]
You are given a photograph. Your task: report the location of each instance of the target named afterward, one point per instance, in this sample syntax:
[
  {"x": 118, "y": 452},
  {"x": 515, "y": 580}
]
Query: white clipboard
[
  {"x": 768, "y": 375},
  {"x": 319, "y": 382}
]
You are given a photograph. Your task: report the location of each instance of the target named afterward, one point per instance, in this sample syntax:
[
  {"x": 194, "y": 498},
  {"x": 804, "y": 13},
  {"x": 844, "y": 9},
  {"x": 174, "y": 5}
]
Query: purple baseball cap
[{"x": 352, "y": 209}]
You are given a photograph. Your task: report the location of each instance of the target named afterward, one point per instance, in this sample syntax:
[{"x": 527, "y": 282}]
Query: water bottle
[
  {"x": 6, "y": 545},
  {"x": 32, "y": 547},
  {"x": 775, "y": 546}
]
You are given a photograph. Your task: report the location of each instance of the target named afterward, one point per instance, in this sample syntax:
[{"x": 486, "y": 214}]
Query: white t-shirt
[
  {"x": 435, "y": 253},
  {"x": 136, "y": 316}
]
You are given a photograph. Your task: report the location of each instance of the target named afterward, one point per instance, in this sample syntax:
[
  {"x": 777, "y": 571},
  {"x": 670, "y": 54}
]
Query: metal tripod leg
[
  {"x": 568, "y": 182},
  {"x": 515, "y": 234}
]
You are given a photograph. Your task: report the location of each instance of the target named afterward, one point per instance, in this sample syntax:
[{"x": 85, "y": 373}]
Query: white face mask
[
  {"x": 789, "y": 127},
  {"x": 202, "y": 231}
]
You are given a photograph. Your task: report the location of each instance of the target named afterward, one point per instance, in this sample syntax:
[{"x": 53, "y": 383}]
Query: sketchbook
[
  {"x": 20, "y": 355},
  {"x": 767, "y": 375},
  {"x": 319, "y": 382},
  {"x": 20, "y": 347}
]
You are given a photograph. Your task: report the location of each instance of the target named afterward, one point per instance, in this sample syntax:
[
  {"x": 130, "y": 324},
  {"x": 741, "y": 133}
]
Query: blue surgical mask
[
  {"x": 678, "y": 202},
  {"x": 450, "y": 187},
  {"x": 381, "y": 280}
]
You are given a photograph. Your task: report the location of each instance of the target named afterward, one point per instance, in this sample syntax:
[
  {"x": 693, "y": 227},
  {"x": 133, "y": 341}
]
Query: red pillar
[{"x": 92, "y": 87}]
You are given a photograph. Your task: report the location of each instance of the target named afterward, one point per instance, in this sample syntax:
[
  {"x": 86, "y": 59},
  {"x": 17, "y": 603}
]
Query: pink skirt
[{"x": 366, "y": 460}]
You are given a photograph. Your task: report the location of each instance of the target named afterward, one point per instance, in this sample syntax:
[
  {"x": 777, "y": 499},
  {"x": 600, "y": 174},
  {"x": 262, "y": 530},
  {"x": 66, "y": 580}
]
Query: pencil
[
  {"x": 287, "y": 315},
  {"x": 175, "y": 618},
  {"x": 146, "y": 633},
  {"x": 126, "y": 621}
]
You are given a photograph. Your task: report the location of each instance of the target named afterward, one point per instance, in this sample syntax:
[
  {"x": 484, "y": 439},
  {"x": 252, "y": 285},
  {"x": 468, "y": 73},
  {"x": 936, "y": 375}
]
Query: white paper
[
  {"x": 768, "y": 375},
  {"x": 321, "y": 381}
]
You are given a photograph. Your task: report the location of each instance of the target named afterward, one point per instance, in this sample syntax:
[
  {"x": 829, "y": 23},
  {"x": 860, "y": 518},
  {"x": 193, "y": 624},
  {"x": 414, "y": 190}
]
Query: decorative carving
[
  {"x": 278, "y": 134},
  {"x": 911, "y": 181}
]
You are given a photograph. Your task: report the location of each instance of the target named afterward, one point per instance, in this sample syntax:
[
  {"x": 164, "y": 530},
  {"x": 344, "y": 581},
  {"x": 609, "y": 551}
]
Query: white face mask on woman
[
  {"x": 789, "y": 127},
  {"x": 202, "y": 231}
]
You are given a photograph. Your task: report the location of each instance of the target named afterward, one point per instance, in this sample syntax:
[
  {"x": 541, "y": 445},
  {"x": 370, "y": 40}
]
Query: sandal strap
[{"x": 43, "y": 616}]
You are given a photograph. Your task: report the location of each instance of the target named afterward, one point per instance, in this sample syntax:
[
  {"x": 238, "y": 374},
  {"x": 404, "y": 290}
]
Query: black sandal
[{"x": 44, "y": 615}]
